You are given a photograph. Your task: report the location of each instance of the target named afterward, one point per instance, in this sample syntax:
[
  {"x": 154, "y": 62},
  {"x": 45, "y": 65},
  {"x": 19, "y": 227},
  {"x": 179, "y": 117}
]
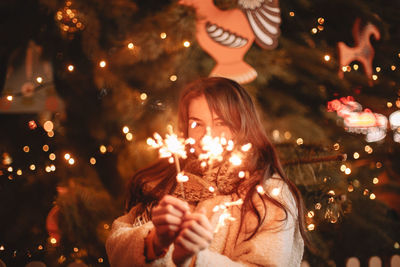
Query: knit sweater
[{"x": 277, "y": 242}]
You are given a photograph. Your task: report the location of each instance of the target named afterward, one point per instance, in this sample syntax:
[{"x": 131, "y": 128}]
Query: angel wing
[{"x": 264, "y": 17}]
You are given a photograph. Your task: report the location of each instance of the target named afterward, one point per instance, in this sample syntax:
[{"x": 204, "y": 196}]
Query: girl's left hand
[{"x": 195, "y": 235}]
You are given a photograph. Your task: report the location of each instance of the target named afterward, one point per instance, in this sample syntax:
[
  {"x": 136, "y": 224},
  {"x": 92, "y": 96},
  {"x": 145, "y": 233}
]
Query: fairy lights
[
  {"x": 70, "y": 68},
  {"x": 173, "y": 78},
  {"x": 102, "y": 64},
  {"x": 163, "y": 35},
  {"x": 186, "y": 44},
  {"x": 131, "y": 46}
]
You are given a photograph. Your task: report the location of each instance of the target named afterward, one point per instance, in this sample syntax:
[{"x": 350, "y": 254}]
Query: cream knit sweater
[{"x": 277, "y": 243}]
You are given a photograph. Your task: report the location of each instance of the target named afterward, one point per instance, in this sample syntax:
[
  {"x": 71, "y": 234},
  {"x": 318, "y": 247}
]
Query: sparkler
[
  {"x": 225, "y": 213},
  {"x": 173, "y": 148}
]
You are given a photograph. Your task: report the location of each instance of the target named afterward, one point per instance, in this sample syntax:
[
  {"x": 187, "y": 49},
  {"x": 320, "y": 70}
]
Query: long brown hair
[{"x": 234, "y": 106}]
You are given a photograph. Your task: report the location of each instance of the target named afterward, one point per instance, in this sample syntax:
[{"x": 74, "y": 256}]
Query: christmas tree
[{"x": 84, "y": 84}]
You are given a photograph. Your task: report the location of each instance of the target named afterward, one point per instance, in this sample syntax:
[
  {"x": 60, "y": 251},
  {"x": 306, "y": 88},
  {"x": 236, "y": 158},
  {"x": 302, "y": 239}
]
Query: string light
[
  {"x": 378, "y": 165},
  {"x": 241, "y": 174},
  {"x": 102, "y": 64},
  {"x": 375, "y": 180},
  {"x": 40, "y": 247},
  {"x": 48, "y": 126},
  {"x": 186, "y": 44},
  {"x": 368, "y": 149},
  {"x": 19, "y": 172},
  {"x": 67, "y": 156},
  {"x": 321, "y": 20},
  {"x": 287, "y": 135},
  {"x": 314, "y": 30},
  {"x": 71, "y": 161},
  {"x": 355, "y": 67},
  {"x": 378, "y": 69},
  {"x": 129, "y": 136},
  {"x": 320, "y": 27},
  {"x": 76, "y": 249},
  {"x": 26, "y": 149},
  {"x": 70, "y": 68},
  {"x": 39, "y": 79},
  {"x": 327, "y": 57},
  {"x": 53, "y": 240},
  {"x": 299, "y": 141},
  {"x": 32, "y": 167},
  {"x": 52, "y": 156},
  {"x": 100, "y": 260},
  {"x": 163, "y": 35},
  {"x": 291, "y": 13},
  {"x": 131, "y": 46},
  {"x": 45, "y": 148},
  {"x": 347, "y": 171},
  {"x": 125, "y": 129},
  {"x": 173, "y": 78},
  {"x": 310, "y": 214},
  {"x": 350, "y": 188},
  {"x": 389, "y": 104},
  {"x": 10, "y": 98},
  {"x": 10, "y": 169},
  {"x": 311, "y": 227},
  {"x": 356, "y": 155},
  {"x": 143, "y": 96},
  {"x": 393, "y": 67},
  {"x": 336, "y": 146},
  {"x": 48, "y": 169},
  {"x": 50, "y": 134},
  {"x": 318, "y": 206},
  {"x": 103, "y": 149},
  {"x": 92, "y": 160},
  {"x": 374, "y": 77},
  {"x": 372, "y": 196}
]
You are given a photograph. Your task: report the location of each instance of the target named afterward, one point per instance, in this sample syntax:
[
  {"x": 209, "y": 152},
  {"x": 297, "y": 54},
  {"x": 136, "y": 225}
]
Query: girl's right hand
[{"x": 167, "y": 217}]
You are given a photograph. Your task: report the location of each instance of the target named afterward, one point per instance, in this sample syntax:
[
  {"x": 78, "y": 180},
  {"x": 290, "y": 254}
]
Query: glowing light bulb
[
  {"x": 102, "y": 64},
  {"x": 173, "y": 78},
  {"x": 347, "y": 171},
  {"x": 39, "y": 79},
  {"x": 143, "y": 96},
  {"x": 125, "y": 129},
  {"x": 103, "y": 149},
  {"x": 67, "y": 156},
  {"x": 375, "y": 180},
  {"x": 48, "y": 126},
  {"x": 241, "y": 174},
  {"x": 71, "y": 161},
  {"x": 291, "y": 13},
  {"x": 327, "y": 57},
  {"x": 70, "y": 68},
  {"x": 92, "y": 160},
  {"x": 311, "y": 227},
  {"x": 129, "y": 136},
  {"x": 10, "y": 98},
  {"x": 355, "y": 67},
  {"x": 356, "y": 155},
  {"x": 163, "y": 35},
  {"x": 299, "y": 141},
  {"x": 186, "y": 43},
  {"x": 131, "y": 46}
]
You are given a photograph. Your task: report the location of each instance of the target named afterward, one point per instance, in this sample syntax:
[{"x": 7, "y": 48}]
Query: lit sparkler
[
  {"x": 225, "y": 213},
  {"x": 173, "y": 148}
]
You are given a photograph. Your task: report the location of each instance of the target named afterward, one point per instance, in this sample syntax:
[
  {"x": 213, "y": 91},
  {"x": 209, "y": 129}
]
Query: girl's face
[{"x": 201, "y": 118}]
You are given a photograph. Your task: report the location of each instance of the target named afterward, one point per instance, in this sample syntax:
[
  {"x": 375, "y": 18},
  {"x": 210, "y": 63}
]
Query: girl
[{"x": 161, "y": 228}]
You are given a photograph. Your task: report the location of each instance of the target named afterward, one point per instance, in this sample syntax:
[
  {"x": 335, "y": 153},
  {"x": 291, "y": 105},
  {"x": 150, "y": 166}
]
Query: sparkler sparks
[
  {"x": 225, "y": 213},
  {"x": 172, "y": 147}
]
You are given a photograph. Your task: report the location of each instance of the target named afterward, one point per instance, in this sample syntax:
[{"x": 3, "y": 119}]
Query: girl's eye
[
  {"x": 220, "y": 123},
  {"x": 194, "y": 125}
]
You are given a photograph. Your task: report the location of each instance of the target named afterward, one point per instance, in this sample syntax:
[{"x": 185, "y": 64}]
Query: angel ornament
[{"x": 226, "y": 35}]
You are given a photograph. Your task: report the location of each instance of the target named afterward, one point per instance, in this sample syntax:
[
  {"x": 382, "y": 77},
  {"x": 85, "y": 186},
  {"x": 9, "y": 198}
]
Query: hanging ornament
[
  {"x": 226, "y": 35},
  {"x": 362, "y": 51},
  {"x": 28, "y": 87},
  {"x": 69, "y": 19},
  {"x": 356, "y": 120}
]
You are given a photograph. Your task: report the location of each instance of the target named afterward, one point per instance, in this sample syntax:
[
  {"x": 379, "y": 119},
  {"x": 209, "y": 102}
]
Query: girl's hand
[
  {"x": 196, "y": 234},
  {"x": 167, "y": 218}
]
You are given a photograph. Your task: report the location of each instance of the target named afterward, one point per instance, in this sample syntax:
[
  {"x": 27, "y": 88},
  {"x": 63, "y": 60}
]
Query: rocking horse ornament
[{"x": 226, "y": 35}]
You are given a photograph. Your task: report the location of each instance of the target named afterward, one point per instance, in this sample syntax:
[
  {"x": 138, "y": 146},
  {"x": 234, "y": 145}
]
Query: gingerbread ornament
[
  {"x": 226, "y": 35},
  {"x": 363, "y": 51}
]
